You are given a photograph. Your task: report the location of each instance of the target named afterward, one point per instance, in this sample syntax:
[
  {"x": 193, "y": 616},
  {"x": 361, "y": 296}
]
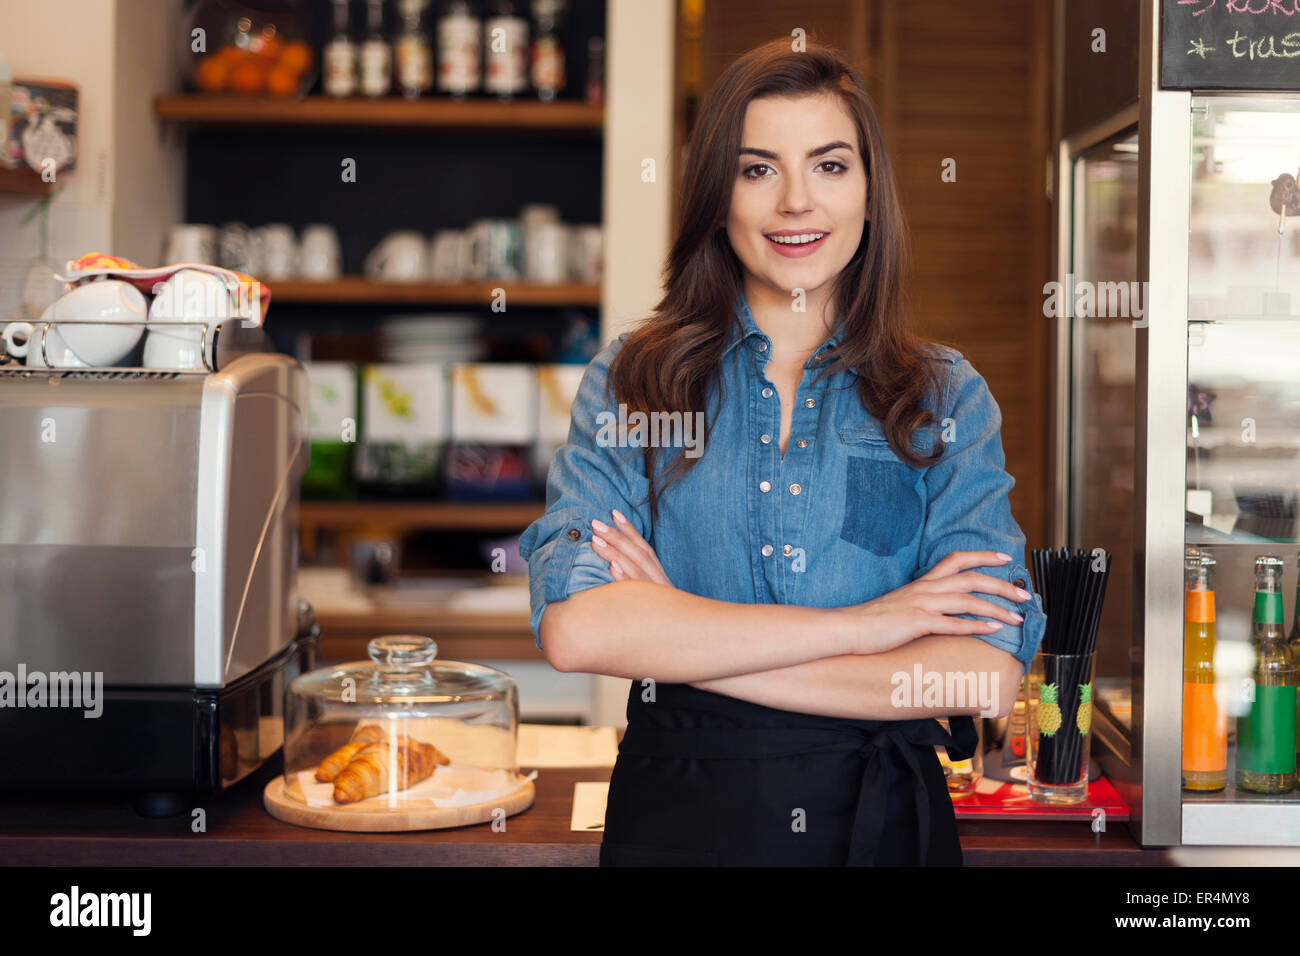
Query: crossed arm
[{"x": 788, "y": 657}]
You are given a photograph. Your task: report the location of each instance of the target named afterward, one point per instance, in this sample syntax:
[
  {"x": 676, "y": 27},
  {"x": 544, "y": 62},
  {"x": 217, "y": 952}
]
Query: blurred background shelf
[
  {"x": 392, "y": 112},
  {"x": 420, "y": 515},
  {"x": 24, "y": 182},
  {"x": 358, "y": 290}
]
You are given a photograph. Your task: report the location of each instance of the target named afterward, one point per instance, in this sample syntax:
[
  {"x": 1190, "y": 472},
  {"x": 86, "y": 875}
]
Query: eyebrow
[{"x": 768, "y": 154}]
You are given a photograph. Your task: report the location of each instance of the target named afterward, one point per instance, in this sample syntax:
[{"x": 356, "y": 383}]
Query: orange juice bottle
[{"x": 1205, "y": 723}]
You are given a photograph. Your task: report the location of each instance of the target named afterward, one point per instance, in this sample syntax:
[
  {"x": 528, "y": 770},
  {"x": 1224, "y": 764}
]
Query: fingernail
[
  {"x": 994, "y": 625},
  {"x": 615, "y": 566},
  {"x": 599, "y": 525},
  {"x": 1023, "y": 594},
  {"x": 1004, "y": 557},
  {"x": 1018, "y": 617},
  {"x": 618, "y": 516},
  {"x": 598, "y": 541}
]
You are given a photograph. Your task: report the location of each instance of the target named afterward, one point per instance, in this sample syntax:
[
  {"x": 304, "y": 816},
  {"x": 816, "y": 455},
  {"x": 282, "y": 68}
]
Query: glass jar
[
  {"x": 248, "y": 48},
  {"x": 402, "y": 731}
]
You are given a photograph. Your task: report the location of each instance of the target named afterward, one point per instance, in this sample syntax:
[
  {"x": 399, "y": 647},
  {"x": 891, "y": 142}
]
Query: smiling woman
[{"x": 763, "y": 595}]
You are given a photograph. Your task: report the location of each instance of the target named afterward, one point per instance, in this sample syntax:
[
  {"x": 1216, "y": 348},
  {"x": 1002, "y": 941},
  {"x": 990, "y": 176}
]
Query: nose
[{"x": 797, "y": 197}]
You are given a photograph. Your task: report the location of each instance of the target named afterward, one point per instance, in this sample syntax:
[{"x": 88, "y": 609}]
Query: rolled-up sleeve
[
  {"x": 590, "y": 475},
  {"x": 969, "y": 508}
]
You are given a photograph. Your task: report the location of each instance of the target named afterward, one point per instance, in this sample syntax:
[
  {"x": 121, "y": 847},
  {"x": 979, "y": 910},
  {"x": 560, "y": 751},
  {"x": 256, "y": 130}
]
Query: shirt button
[
  {"x": 795, "y": 489},
  {"x": 762, "y": 346},
  {"x": 767, "y": 393},
  {"x": 802, "y": 443},
  {"x": 574, "y": 534},
  {"x": 765, "y": 439},
  {"x": 810, "y": 403},
  {"x": 764, "y": 486},
  {"x": 767, "y": 550},
  {"x": 787, "y": 550},
  {"x": 1019, "y": 582}
]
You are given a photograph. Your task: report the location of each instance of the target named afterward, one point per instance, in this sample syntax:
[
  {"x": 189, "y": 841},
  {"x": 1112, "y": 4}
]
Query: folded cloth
[{"x": 249, "y": 298}]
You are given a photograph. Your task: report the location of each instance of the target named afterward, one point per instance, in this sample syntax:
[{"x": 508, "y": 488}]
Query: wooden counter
[{"x": 76, "y": 832}]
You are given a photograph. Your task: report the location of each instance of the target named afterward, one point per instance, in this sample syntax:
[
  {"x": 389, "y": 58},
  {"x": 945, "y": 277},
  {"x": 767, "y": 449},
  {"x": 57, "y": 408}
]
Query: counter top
[{"x": 77, "y": 832}]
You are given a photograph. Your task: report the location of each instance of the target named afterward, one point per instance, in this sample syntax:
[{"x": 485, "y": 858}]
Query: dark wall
[{"x": 1098, "y": 85}]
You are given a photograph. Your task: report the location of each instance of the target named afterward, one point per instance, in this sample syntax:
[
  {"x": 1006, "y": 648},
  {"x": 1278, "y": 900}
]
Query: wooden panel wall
[{"x": 950, "y": 80}]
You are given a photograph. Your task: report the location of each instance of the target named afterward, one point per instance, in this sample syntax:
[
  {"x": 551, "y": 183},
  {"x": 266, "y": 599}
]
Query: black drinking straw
[{"x": 1072, "y": 594}]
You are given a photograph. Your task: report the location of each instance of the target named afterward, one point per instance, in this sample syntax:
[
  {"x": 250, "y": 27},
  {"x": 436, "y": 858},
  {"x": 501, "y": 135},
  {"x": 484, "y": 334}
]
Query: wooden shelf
[
  {"x": 24, "y": 181},
  {"x": 357, "y": 290},
  {"x": 420, "y": 515},
  {"x": 392, "y": 112}
]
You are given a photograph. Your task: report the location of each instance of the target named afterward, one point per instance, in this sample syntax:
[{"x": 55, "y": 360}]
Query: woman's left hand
[{"x": 630, "y": 557}]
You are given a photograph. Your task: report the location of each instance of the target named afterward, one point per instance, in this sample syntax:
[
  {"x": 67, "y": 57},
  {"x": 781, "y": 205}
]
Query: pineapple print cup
[{"x": 1059, "y": 702}]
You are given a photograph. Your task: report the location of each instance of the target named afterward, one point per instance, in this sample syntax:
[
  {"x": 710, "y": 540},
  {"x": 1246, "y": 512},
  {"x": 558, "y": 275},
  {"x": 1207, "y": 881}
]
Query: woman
[{"x": 770, "y": 597}]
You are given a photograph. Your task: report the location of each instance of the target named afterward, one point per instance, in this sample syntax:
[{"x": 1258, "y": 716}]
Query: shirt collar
[{"x": 745, "y": 329}]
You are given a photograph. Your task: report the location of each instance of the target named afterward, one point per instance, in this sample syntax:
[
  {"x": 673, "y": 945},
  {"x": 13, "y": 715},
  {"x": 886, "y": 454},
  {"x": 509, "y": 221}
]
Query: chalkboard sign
[{"x": 1230, "y": 44}]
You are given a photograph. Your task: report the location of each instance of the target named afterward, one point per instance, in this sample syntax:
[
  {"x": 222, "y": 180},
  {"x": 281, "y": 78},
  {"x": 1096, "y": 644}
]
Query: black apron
[{"x": 704, "y": 779}]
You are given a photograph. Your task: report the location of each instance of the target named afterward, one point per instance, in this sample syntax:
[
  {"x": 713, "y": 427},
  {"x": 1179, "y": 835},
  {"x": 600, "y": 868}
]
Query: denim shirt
[{"x": 840, "y": 520}]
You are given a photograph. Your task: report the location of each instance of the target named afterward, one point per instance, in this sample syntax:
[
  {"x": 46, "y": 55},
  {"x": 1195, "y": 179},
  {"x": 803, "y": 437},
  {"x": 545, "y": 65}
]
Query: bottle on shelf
[
  {"x": 376, "y": 54},
  {"x": 340, "y": 56},
  {"x": 459, "y": 60},
  {"x": 413, "y": 55},
  {"x": 547, "y": 60},
  {"x": 1266, "y": 759},
  {"x": 1205, "y": 720},
  {"x": 596, "y": 70},
  {"x": 1293, "y": 643},
  {"x": 505, "y": 50}
]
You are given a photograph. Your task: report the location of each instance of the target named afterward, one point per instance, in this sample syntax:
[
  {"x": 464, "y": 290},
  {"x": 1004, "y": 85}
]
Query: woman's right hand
[{"x": 924, "y": 606}]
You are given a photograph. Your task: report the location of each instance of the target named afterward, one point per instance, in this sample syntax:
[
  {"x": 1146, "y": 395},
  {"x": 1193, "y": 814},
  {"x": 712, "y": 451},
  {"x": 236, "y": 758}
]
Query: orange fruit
[
  {"x": 211, "y": 74},
  {"x": 231, "y": 55},
  {"x": 281, "y": 81},
  {"x": 297, "y": 56},
  {"x": 248, "y": 78}
]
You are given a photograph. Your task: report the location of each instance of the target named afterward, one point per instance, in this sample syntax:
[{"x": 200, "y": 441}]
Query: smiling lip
[{"x": 791, "y": 251}]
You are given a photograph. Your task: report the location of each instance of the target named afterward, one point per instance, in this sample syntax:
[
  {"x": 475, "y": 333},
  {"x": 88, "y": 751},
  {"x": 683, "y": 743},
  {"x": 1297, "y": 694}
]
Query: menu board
[{"x": 1230, "y": 44}]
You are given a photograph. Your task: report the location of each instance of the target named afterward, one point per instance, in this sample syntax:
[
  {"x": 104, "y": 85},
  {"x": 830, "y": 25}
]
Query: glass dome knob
[{"x": 402, "y": 651}]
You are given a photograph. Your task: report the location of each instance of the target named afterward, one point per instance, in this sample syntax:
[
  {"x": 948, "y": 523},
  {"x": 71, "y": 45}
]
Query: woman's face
[{"x": 799, "y": 175}]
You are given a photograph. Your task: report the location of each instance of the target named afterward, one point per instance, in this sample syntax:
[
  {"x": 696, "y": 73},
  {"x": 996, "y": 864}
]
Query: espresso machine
[{"x": 149, "y": 621}]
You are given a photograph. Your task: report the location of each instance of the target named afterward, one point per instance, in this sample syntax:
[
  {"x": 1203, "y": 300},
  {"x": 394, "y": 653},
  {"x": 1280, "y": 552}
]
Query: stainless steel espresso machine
[{"x": 148, "y": 548}]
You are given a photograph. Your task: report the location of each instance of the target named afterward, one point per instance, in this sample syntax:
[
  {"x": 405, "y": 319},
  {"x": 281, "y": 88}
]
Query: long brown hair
[{"x": 671, "y": 359}]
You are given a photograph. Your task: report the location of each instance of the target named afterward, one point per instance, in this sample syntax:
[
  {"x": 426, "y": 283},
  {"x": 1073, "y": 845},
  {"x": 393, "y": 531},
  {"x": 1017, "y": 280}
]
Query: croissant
[
  {"x": 362, "y": 737},
  {"x": 386, "y": 766}
]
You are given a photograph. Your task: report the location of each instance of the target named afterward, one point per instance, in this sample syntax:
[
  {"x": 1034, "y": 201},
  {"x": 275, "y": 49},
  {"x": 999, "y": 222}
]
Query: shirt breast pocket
[{"x": 884, "y": 497}]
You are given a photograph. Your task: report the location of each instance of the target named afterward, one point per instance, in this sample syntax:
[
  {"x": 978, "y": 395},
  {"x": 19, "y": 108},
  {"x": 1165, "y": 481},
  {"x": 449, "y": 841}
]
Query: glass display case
[{"x": 1178, "y": 430}]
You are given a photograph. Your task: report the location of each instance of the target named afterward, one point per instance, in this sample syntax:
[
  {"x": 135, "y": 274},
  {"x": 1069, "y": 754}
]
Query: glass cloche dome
[{"x": 404, "y": 732}]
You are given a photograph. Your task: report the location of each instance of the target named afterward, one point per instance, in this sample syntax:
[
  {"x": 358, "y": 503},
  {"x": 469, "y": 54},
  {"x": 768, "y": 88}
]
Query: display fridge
[{"x": 1177, "y": 398}]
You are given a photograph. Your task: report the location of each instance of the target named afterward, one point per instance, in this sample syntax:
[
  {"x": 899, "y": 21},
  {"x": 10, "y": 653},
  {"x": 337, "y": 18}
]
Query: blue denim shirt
[{"x": 841, "y": 520}]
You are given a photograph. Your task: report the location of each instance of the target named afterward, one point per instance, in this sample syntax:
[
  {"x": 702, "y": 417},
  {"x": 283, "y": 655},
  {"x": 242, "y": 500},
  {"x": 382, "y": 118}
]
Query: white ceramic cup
[
  {"x": 191, "y": 295},
  {"x": 320, "y": 256},
  {"x": 23, "y": 340},
  {"x": 546, "y": 252},
  {"x": 401, "y": 257},
  {"x": 174, "y": 349},
  {"x": 279, "y": 251},
  {"x": 119, "y": 310},
  {"x": 586, "y": 252},
  {"x": 448, "y": 256},
  {"x": 191, "y": 242}
]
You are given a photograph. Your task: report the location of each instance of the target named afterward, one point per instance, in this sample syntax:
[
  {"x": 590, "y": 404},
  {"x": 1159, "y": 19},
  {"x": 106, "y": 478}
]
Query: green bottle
[{"x": 1266, "y": 757}]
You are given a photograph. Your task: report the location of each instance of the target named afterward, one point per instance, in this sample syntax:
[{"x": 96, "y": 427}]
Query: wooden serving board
[{"x": 369, "y": 816}]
